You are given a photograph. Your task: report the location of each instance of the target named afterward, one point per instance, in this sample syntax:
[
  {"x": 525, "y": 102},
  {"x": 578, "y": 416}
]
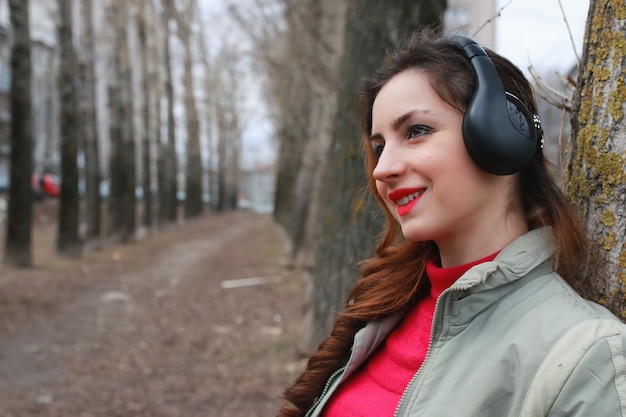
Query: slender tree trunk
[
  {"x": 595, "y": 168},
  {"x": 147, "y": 142},
  {"x": 155, "y": 86},
  {"x": 169, "y": 203},
  {"x": 122, "y": 157},
  {"x": 68, "y": 240},
  {"x": 93, "y": 201},
  {"x": 209, "y": 120},
  {"x": 235, "y": 166},
  {"x": 18, "y": 247},
  {"x": 328, "y": 30},
  {"x": 290, "y": 75},
  {"x": 193, "y": 183},
  {"x": 49, "y": 140},
  {"x": 222, "y": 185}
]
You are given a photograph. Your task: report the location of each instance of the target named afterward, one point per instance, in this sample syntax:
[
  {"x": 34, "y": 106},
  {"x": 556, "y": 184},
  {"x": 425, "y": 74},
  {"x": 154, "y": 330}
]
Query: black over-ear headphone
[{"x": 498, "y": 129}]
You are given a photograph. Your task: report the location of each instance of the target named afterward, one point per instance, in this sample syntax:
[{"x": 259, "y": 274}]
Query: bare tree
[
  {"x": 225, "y": 91},
  {"x": 168, "y": 162},
  {"x": 122, "y": 156},
  {"x": 325, "y": 31},
  {"x": 284, "y": 35},
  {"x": 147, "y": 84},
  {"x": 290, "y": 91},
  {"x": 595, "y": 168},
  {"x": 193, "y": 182},
  {"x": 68, "y": 240},
  {"x": 208, "y": 109},
  {"x": 18, "y": 251},
  {"x": 93, "y": 201}
]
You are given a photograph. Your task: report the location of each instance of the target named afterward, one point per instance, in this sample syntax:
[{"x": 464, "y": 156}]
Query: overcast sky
[{"x": 534, "y": 32}]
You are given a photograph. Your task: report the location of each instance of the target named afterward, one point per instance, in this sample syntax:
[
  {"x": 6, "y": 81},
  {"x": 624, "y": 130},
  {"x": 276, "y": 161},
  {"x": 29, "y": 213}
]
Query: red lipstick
[{"x": 405, "y": 199}]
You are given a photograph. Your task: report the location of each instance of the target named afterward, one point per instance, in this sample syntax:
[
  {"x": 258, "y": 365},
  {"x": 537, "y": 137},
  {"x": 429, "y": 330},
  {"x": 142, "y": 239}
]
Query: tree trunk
[
  {"x": 327, "y": 29},
  {"x": 156, "y": 87},
  {"x": 50, "y": 140},
  {"x": 193, "y": 183},
  {"x": 18, "y": 247},
  {"x": 122, "y": 157},
  {"x": 147, "y": 142},
  {"x": 290, "y": 74},
  {"x": 234, "y": 163},
  {"x": 595, "y": 168},
  {"x": 169, "y": 164},
  {"x": 68, "y": 240},
  {"x": 225, "y": 98},
  {"x": 208, "y": 119},
  {"x": 348, "y": 221},
  {"x": 222, "y": 185},
  {"x": 93, "y": 201}
]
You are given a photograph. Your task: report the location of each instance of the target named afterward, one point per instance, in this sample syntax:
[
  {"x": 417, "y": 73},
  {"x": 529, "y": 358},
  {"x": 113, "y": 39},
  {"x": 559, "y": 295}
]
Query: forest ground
[{"x": 154, "y": 328}]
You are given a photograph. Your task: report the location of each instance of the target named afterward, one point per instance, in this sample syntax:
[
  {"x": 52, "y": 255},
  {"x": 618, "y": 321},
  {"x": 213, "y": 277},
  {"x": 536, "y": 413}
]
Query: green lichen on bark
[
  {"x": 596, "y": 170},
  {"x": 621, "y": 276},
  {"x": 607, "y": 217},
  {"x": 616, "y": 100},
  {"x": 622, "y": 257},
  {"x": 620, "y": 10},
  {"x": 608, "y": 242},
  {"x": 609, "y": 168}
]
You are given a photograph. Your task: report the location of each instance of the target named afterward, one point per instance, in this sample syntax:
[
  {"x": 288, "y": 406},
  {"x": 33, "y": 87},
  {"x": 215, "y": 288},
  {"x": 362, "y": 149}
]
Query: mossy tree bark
[{"x": 595, "y": 170}]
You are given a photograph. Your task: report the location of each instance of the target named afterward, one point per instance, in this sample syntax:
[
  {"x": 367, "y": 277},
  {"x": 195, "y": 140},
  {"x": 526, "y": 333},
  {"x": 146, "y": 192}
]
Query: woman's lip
[
  {"x": 405, "y": 204},
  {"x": 406, "y": 209},
  {"x": 400, "y": 193}
]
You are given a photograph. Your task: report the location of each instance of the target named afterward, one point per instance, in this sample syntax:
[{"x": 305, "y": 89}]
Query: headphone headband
[{"x": 498, "y": 128}]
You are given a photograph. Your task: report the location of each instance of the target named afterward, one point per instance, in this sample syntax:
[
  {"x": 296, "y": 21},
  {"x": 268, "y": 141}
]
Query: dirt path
[{"x": 158, "y": 328}]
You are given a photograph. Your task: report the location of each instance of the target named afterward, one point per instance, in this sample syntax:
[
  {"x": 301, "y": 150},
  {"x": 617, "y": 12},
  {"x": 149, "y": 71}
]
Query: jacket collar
[
  {"x": 527, "y": 253},
  {"x": 527, "y": 256},
  {"x": 524, "y": 259}
]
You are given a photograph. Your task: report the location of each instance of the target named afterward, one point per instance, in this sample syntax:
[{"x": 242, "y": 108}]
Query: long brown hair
[{"x": 393, "y": 280}]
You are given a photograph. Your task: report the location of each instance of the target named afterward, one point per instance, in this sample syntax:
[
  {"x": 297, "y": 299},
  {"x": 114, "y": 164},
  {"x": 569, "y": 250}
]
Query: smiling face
[{"x": 428, "y": 180}]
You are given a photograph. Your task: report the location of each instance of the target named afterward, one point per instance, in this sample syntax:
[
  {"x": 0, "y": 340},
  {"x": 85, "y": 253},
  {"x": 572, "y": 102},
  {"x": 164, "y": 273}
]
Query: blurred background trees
[
  {"x": 124, "y": 122},
  {"x": 154, "y": 112}
]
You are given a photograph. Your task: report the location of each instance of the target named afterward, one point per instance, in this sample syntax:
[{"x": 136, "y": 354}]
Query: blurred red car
[{"x": 46, "y": 185}]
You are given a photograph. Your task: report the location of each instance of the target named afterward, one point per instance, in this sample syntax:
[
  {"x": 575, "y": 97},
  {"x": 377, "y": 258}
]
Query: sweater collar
[{"x": 442, "y": 278}]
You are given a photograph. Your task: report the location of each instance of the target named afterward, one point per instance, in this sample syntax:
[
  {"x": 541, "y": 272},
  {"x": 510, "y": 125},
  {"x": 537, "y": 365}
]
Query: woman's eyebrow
[{"x": 398, "y": 122}]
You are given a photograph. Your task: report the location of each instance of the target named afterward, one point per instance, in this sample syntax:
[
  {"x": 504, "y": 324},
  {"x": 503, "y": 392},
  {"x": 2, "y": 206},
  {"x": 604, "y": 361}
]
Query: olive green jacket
[{"x": 510, "y": 338}]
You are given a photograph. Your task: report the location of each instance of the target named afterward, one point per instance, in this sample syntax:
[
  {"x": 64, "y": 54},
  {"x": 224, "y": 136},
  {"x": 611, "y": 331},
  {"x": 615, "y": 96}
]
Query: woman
[{"x": 465, "y": 310}]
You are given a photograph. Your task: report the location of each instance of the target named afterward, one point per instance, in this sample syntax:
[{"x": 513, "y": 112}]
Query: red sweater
[{"x": 374, "y": 390}]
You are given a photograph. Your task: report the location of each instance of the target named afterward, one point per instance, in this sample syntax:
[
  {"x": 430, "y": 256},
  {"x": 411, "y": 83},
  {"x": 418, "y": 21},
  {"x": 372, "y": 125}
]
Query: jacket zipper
[
  {"x": 430, "y": 343},
  {"x": 325, "y": 391}
]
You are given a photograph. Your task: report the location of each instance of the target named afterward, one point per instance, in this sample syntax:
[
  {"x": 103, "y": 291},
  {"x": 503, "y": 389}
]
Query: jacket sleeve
[{"x": 597, "y": 384}]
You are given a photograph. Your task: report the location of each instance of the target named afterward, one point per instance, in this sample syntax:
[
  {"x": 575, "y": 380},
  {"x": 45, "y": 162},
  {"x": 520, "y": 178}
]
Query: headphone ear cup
[
  {"x": 498, "y": 129},
  {"x": 498, "y": 133}
]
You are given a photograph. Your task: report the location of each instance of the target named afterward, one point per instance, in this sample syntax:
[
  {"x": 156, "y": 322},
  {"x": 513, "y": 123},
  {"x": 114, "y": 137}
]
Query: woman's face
[{"x": 425, "y": 175}]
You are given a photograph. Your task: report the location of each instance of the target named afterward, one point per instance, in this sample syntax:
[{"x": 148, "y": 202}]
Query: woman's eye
[
  {"x": 416, "y": 130},
  {"x": 378, "y": 149}
]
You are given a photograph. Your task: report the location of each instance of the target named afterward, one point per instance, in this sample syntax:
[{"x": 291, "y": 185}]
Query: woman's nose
[{"x": 390, "y": 164}]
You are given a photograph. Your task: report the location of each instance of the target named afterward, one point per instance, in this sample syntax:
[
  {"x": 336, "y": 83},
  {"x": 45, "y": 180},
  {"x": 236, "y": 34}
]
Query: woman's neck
[{"x": 480, "y": 242}]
